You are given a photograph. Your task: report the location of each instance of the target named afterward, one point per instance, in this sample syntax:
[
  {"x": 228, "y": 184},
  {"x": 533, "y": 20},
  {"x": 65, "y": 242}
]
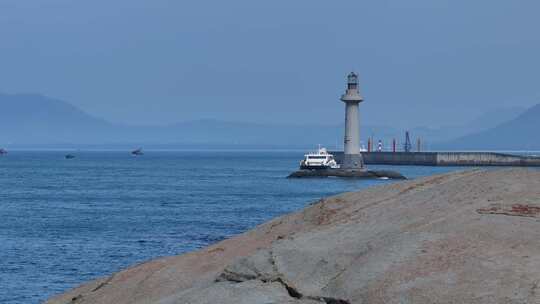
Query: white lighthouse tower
[{"x": 352, "y": 159}]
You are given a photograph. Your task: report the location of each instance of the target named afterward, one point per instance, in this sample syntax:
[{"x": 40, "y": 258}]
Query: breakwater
[{"x": 445, "y": 159}]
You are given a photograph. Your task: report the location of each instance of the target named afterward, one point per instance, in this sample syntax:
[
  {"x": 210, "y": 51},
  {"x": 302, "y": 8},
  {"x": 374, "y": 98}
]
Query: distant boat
[
  {"x": 137, "y": 152},
  {"x": 3, "y": 152},
  {"x": 70, "y": 156}
]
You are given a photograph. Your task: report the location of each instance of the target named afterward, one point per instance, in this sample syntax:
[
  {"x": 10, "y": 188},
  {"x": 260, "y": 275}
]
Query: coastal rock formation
[{"x": 464, "y": 237}]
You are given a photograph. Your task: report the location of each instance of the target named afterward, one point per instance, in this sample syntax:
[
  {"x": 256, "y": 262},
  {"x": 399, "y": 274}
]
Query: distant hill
[
  {"x": 33, "y": 118},
  {"x": 521, "y": 133},
  {"x": 490, "y": 119},
  {"x": 493, "y": 118}
]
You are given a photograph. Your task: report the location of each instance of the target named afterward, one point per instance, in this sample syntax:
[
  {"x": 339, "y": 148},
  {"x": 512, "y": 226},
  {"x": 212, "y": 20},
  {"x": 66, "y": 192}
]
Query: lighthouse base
[
  {"x": 352, "y": 161},
  {"x": 380, "y": 174}
]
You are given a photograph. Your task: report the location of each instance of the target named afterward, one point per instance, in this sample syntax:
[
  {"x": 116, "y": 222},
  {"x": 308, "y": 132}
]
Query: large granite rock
[{"x": 465, "y": 237}]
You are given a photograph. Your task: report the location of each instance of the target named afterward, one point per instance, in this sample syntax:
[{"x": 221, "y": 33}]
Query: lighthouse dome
[{"x": 352, "y": 78}]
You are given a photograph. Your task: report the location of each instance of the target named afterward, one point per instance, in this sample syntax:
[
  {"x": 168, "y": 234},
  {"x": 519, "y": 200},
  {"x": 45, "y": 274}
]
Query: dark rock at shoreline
[{"x": 347, "y": 173}]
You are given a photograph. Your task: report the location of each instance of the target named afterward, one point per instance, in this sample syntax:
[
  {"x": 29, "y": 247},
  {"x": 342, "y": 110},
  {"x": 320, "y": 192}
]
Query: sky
[{"x": 421, "y": 62}]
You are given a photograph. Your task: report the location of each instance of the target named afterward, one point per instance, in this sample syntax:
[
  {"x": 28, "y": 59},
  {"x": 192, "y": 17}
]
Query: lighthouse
[{"x": 352, "y": 159}]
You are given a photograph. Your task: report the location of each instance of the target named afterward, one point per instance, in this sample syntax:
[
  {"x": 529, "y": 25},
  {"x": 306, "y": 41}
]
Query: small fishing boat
[
  {"x": 137, "y": 152},
  {"x": 70, "y": 156},
  {"x": 319, "y": 160},
  {"x": 3, "y": 151}
]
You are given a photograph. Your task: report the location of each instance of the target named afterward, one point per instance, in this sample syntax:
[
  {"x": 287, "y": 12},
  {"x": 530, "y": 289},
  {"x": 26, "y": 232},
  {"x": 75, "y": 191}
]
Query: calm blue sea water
[{"x": 63, "y": 222}]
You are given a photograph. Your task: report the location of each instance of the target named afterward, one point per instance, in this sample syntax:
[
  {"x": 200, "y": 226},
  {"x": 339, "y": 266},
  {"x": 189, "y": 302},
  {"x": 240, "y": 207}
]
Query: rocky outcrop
[{"x": 465, "y": 237}]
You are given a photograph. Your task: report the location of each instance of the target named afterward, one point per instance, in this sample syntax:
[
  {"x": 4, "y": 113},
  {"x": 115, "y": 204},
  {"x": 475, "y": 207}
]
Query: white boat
[{"x": 319, "y": 160}]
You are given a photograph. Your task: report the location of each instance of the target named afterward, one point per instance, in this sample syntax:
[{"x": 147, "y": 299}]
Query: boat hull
[{"x": 314, "y": 167}]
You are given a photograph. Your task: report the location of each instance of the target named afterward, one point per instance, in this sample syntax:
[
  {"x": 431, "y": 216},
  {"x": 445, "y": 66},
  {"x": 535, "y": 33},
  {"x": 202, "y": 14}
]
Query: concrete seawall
[{"x": 446, "y": 159}]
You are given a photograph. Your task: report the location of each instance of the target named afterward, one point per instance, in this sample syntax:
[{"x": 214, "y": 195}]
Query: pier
[{"x": 475, "y": 159}]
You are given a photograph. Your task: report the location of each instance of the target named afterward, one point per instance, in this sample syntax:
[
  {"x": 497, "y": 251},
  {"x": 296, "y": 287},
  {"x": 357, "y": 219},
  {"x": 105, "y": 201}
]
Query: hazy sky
[{"x": 161, "y": 61}]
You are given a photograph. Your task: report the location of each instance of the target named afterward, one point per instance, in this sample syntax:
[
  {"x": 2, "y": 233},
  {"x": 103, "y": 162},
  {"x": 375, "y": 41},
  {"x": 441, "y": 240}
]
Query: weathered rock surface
[{"x": 465, "y": 237}]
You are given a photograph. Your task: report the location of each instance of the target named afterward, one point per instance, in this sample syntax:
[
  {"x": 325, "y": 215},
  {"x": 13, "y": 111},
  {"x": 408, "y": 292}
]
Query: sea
[{"x": 67, "y": 221}]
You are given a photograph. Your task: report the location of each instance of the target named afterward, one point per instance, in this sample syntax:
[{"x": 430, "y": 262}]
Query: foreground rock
[{"x": 466, "y": 237}]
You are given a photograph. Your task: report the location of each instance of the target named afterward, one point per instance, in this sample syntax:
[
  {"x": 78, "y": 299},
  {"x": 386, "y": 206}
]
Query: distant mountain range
[
  {"x": 521, "y": 133},
  {"x": 35, "y": 119},
  {"x": 32, "y": 120}
]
